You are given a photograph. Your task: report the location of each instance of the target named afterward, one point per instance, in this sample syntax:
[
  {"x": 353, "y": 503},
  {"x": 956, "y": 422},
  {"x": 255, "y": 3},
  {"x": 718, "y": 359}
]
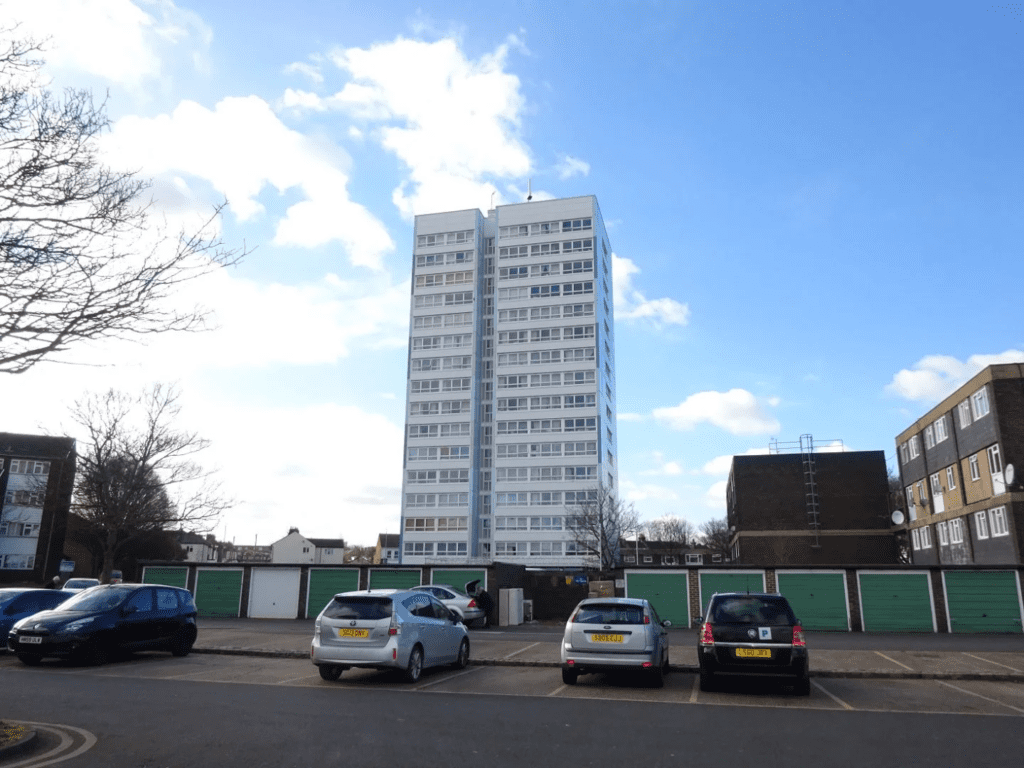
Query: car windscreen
[
  {"x": 96, "y": 599},
  {"x": 751, "y": 610},
  {"x": 609, "y": 613},
  {"x": 364, "y": 608},
  {"x": 81, "y": 583}
]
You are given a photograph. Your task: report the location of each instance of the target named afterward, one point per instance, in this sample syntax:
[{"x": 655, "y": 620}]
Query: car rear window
[
  {"x": 365, "y": 608},
  {"x": 751, "y": 610},
  {"x": 610, "y": 613}
]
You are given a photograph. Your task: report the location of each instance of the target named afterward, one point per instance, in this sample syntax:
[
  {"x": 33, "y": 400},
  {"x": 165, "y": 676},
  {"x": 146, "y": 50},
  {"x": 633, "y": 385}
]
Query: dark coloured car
[
  {"x": 111, "y": 618},
  {"x": 17, "y": 603},
  {"x": 752, "y": 635}
]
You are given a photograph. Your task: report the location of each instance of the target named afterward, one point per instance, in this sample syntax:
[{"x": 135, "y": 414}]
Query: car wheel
[
  {"x": 415, "y": 667},
  {"x": 463, "y": 658},
  {"x": 182, "y": 644},
  {"x": 657, "y": 678},
  {"x": 803, "y": 685},
  {"x": 569, "y": 676},
  {"x": 707, "y": 680},
  {"x": 330, "y": 672},
  {"x": 31, "y": 659}
]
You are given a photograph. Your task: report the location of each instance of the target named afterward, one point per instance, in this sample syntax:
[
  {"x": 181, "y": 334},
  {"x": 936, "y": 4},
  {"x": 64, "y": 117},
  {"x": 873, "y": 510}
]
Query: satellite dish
[
  {"x": 897, "y": 517},
  {"x": 1008, "y": 474}
]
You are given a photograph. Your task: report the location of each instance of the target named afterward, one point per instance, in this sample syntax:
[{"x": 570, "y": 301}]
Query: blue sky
[{"x": 816, "y": 215}]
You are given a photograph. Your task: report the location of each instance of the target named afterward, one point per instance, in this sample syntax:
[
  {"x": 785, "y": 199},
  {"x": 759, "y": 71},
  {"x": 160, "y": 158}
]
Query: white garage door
[{"x": 274, "y": 593}]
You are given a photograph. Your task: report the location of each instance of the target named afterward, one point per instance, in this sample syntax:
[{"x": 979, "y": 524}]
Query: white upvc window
[
  {"x": 940, "y": 429},
  {"x": 943, "y": 534},
  {"x": 995, "y": 462},
  {"x": 915, "y": 538},
  {"x": 921, "y": 494},
  {"x": 915, "y": 447},
  {"x": 975, "y": 472},
  {"x": 980, "y": 525},
  {"x": 998, "y": 521},
  {"x": 964, "y": 413},
  {"x": 979, "y": 403},
  {"x": 904, "y": 453},
  {"x": 950, "y": 478},
  {"x": 956, "y": 531},
  {"x": 926, "y": 537},
  {"x": 929, "y": 436},
  {"x": 936, "y": 484}
]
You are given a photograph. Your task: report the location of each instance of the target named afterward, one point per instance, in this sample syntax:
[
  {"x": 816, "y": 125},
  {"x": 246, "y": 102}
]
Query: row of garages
[
  {"x": 834, "y": 600},
  {"x": 844, "y": 600},
  {"x": 289, "y": 593}
]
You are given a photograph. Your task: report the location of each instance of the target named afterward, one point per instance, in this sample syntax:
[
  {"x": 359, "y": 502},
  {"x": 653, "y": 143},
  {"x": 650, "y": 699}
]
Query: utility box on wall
[{"x": 510, "y": 607}]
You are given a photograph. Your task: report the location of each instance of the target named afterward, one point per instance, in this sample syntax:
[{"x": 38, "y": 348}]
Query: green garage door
[
  {"x": 818, "y": 599},
  {"x": 457, "y": 578},
  {"x": 982, "y": 601},
  {"x": 726, "y": 581},
  {"x": 667, "y": 592},
  {"x": 325, "y": 583},
  {"x": 172, "y": 577},
  {"x": 393, "y": 579},
  {"x": 896, "y": 602},
  {"x": 218, "y": 593}
]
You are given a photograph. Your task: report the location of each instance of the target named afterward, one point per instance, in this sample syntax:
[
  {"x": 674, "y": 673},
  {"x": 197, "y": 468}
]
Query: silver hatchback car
[
  {"x": 456, "y": 600},
  {"x": 615, "y": 633},
  {"x": 387, "y": 629}
]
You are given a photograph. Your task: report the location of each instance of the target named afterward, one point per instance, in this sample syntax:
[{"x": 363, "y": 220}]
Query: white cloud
[
  {"x": 294, "y": 99},
  {"x": 664, "y": 468},
  {"x": 312, "y": 71},
  {"x": 453, "y": 121},
  {"x": 736, "y": 411},
  {"x": 635, "y": 493},
  {"x": 117, "y": 40},
  {"x": 722, "y": 465},
  {"x": 715, "y": 497},
  {"x": 570, "y": 166},
  {"x": 935, "y": 376},
  {"x": 631, "y": 304},
  {"x": 629, "y": 416},
  {"x": 228, "y": 146}
]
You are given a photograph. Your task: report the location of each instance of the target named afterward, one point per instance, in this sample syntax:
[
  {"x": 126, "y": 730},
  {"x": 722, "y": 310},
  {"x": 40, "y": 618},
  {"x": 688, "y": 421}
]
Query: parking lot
[{"x": 963, "y": 697}]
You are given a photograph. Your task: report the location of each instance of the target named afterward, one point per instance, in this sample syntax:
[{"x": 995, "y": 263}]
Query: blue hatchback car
[{"x": 17, "y": 603}]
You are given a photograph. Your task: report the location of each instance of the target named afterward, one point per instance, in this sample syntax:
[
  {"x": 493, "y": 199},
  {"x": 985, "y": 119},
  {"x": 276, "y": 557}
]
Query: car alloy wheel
[
  {"x": 182, "y": 644},
  {"x": 463, "y": 659},
  {"x": 415, "y": 666},
  {"x": 330, "y": 672}
]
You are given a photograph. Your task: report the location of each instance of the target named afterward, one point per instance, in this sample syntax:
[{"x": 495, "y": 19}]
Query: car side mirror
[
  {"x": 128, "y": 610},
  {"x": 454, "y": 617},
  {"x": 666, "y": 623}
]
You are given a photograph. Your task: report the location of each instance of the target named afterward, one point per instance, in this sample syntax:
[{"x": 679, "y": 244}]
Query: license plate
[
  {"x": 31, "y": 640},
  {"x": 754, "y": 653},
  {"x": 607, "y": 638},
  {"x": 346, "y": 632}
]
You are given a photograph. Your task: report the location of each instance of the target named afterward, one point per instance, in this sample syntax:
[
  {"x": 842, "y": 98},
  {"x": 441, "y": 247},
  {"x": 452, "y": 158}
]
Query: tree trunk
[{"x": 108, "y": 556}]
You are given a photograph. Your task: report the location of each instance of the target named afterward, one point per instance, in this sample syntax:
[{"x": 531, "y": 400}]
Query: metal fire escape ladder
[{"x": 810, "y": 486}]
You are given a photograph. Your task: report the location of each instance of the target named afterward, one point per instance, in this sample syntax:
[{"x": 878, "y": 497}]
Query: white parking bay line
[
  {"x": 982, "y": 658},
  {"x": 831, "y": 695},
  {"x": 446, "y": 679},
  {"x": 887, "y": 658},
  {"x": 696, "y": 687},
  {"x": 557, "y": 690},
  {"x": 986, "y": 698},
  {"x": 516, "y": 653}
]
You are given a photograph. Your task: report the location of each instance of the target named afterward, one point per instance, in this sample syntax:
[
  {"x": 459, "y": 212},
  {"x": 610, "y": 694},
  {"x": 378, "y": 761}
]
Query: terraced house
[
  {"x": 510, "y": 416},
  {"x": 959, "y": 467}
]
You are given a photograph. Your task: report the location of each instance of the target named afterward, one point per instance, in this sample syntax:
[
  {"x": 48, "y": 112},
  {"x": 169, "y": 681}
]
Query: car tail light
[
  {"x": 394, "y": 629},
  {"x": 472, "y": 604},
  {"x": 706, "y": 635},
  {"x": 798, "y": 636},
  {"x": 647, "y": 665},
  {"x": 394, "y": 654},
  {"x": 571, "y": 663},
  {"x": 647, "y": 619}
]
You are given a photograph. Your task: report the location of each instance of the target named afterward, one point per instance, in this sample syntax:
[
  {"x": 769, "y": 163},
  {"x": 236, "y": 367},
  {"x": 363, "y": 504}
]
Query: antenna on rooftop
[{"x": 529, "y": 190}]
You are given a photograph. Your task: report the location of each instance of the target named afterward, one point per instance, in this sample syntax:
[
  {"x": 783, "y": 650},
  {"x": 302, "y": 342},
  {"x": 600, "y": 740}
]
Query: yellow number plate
[
  {"x": 755, "y": 653},
  {"x": 606, "y": 638},
  {"x": 353, "y": 632}
]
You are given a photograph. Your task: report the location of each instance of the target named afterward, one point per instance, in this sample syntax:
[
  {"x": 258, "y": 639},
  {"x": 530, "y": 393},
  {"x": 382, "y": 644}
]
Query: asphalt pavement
[{"x": 938, "y": 656}]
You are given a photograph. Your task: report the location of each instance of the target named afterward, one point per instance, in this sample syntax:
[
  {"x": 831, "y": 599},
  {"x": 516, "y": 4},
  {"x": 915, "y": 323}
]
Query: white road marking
[
  {"x": 696, "y": 688},
  {"x": 88, "y": 742},
  {"x": 831, "y": 695},
  {"x": 986, "y": 698},
  {"x": 446, "y": 679},
  {"x": 557, "y": 690},
  {"x": 982, "y": 658},
  {"x": 516, "y": 653},
  {"x": 887, "y": 658}
]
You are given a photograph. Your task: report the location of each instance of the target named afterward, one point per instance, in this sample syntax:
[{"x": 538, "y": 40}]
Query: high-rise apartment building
[{"x": 510, "y": 419}]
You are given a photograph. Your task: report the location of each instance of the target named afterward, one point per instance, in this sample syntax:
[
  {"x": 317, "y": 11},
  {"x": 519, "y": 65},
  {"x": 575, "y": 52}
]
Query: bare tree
[
  {"x": 715, "y": 536},
  {"x": 137, "y": 473},
  {"x": 73, "y": 256},
  {"x": 599, "y": 523},
  {"x": 674, "y": 532}
]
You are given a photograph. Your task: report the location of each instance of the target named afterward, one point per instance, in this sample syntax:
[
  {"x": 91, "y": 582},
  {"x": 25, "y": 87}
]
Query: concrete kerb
[{"x": 994, "y": 677}]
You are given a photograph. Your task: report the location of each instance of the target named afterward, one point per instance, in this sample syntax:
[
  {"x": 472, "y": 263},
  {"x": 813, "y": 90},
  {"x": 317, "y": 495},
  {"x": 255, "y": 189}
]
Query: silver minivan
[
  {"x": 387, "y": 629},
  {"x": 604, "y": 634}
]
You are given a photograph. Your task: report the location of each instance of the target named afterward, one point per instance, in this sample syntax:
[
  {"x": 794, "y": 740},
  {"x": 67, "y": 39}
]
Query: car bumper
[
  {"x": 391, "y": 655},
  {"x": 50, "y": 646},
  {"x": 596, "y": 662},
  {"x": 794, "y": 667}
]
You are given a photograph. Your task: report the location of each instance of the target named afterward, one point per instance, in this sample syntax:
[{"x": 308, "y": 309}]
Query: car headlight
[{"x": 77, "y": 625}]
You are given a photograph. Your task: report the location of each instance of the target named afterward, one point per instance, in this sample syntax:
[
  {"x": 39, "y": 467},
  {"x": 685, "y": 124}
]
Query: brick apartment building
[
  {"x": 963, "y": 494},
  {"x": 810, "y": 507}
]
